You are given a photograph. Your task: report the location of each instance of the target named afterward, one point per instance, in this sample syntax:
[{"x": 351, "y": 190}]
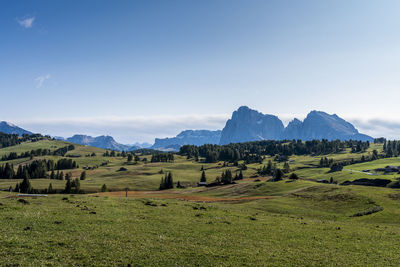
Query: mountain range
[
  {"x": 188, "y": 137},
  {"x": 245, "y": 125},
  {"x": 103, "y": 141},
  {"x": 250, "y": 125},
  {"x": 9, "y": 128}
]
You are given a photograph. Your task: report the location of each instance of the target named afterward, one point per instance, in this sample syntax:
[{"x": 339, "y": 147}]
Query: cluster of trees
[
  {"x": 338, "y": 166},
  {"x": 325, "y": 162},
  {"x": 7, "y": 140},
  {"x": 226, "y": 177},
  {"x": 359, "y": 146},
  {"x": 132, "y": 156},
  {"x": 38, "y": 152},
  {"x": 24, "y": 186},
  {"x": 36, "y": 169},
  {"x": 72, "y": 186},
  {"x": 64, "y": 164},
  {"x": 110, "y": 153},
  {"x": 167, "y": 182},
  {"x": 254, "y": 151},
  {"x": 271, "y": 169},
  {"x": 162, "y": 157},
  {"x": 114, "y": 153},
  {"x": 391, "y": 148},
  {"x": 63, "y": 150}
]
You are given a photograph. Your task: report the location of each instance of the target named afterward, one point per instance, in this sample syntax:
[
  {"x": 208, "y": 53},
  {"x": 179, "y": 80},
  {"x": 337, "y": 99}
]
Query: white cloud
[
  {"x": 26, "y": 22},
  {"x": 41, "y": 79}
]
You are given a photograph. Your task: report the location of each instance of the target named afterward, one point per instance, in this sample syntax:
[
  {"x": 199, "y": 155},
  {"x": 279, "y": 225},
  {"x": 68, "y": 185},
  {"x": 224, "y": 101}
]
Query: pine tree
[
  {"x": 286, "y": 167},
  {"x": 240, "y": 175},
  {"x": 52, "y": 175},
  {"x": 226, "y": 177},
  {"x": 130, "y": 157},
  {"x": 170, "y": 183},
  {"x": 25, "y": 186},
  {"x": 162, "y": 184},
  {"x": 50, "y": 189},
  {"x": 76, "y": 185},
  {"x": 68, "y": 186},
  {"x": 203, "y": 178},
  {"x": 104, "y": 188},
  {"x": 268, "y": 170},
  {"x": 83, "y": 175},
  {"x": 278, "y": 175}
]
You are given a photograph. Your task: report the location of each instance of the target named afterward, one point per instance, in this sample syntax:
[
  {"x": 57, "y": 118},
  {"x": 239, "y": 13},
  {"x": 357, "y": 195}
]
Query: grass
[
  {"x": 302, "y": 226},
  {"x": 251, "y": 223}
]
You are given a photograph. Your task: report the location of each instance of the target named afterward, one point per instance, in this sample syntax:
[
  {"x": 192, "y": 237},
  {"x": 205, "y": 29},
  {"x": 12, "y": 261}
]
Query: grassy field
[
  {"x": 302, "y": 224},
  {"x": 252, "y": 223},
  {"x": 147, "y": 176}
]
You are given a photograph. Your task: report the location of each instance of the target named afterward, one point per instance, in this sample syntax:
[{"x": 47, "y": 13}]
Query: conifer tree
[
  {"x": 240, "y": 175},
  {"x": 50, "y": 189},
  {"x": 278, "y": 175},
  {"x": 286, "y": 167},
  {"x": 25, "y": 186},
  {"x": 203, "y": 178},
  {"x": 104, "y": 188},
  {"x": 68, "y": 187}
]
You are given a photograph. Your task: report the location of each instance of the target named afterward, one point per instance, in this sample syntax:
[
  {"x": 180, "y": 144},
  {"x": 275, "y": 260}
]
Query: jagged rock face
[
  {"x": 8, "y": 128},
  {"x": 188, "y": 137},
  {"x": 320, "y": 125},
  {"x": 293, "y": 130},
  {"x": 106, "y": 142},
  {"x": 250, "y": 125}
]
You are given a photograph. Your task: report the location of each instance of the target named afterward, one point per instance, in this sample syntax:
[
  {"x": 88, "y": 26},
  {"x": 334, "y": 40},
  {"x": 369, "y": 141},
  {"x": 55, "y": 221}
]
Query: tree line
[
  {"x": 252, "y": 152},
  {"x": 38, "y": 152},
  {"x": 7, "y": 140},
  {"x": 35, "y": 169},
  {"x": 162, "y": 157}
]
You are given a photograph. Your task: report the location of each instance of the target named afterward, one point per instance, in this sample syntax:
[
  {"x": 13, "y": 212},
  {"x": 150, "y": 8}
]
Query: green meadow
[{"x": 254, "y": 222}]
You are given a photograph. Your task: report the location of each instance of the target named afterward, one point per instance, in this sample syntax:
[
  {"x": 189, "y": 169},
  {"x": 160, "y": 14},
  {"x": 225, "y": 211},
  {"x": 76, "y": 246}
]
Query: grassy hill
[
  {"x": 303, "y": 224},
  {"x": 253, "y": 222}
]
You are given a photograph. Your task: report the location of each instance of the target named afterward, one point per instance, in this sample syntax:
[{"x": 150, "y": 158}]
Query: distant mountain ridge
[
  {"x": 245, "y": 125},
  {"x": 103, "y": 141},
  {"x": 188, "y": 137},
  {"x": 320, "y": 125},
  {"x": 9, "y": 128},
  {"x": 250, "y": 125}
]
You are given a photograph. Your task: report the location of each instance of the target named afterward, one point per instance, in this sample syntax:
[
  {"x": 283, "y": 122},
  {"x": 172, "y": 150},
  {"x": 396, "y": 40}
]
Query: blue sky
[{"x": 143, "y": 69}]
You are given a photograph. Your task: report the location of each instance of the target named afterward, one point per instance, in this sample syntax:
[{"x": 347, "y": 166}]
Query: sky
[{"x": 137, "y": 70}]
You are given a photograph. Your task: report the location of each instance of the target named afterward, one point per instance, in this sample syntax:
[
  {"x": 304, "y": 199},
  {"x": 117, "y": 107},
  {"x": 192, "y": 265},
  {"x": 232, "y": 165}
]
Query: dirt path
[{"x": 179, "y": 196}]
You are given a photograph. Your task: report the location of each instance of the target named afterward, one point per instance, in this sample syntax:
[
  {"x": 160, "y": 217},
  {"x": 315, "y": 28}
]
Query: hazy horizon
[{"x": 148, "y": 128}]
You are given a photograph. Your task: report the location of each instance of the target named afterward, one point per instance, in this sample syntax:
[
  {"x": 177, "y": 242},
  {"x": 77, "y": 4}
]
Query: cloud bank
[{"x": 129, "y": 130}]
